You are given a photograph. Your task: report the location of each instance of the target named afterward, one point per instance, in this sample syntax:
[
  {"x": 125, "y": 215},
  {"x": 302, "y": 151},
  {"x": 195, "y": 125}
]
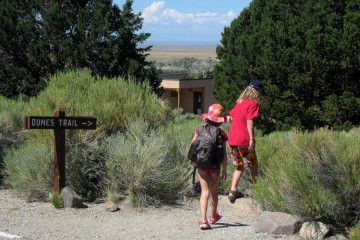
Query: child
[
  {"x": 210, "y": 177},
  {"x": 241, "y": 135}
]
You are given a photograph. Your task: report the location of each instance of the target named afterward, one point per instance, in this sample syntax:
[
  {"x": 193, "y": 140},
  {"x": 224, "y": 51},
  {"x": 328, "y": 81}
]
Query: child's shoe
[
  {"x": 217, "y": 218},
  {"x": 204, "y": 225}
]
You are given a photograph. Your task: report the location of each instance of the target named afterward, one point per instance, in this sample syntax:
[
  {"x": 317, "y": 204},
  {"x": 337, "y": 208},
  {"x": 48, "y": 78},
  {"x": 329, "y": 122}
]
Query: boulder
[
  {"x": 277, "y": 223},
  {"x": 110, "y": 206},
  {"x": 70, "y": 198},
  {"x": 314, "y": 230}
]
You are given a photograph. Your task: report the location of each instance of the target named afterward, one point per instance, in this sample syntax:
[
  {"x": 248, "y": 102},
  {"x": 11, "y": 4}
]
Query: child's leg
[
  {"x": 214, "y": 193},
  {"x": 236, "y": 178},
  {"x": 254, "y": 172},
  {"x": 205, "y": 183}
]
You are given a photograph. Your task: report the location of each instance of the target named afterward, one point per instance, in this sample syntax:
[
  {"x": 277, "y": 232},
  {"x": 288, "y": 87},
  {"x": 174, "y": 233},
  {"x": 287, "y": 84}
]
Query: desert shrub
[
  {"x": 11, "y": 115},
  {"x": 191, "y": 67},
  {"x": 56, "y": 199},
  {"x": 311, "y": 174},
  {"x": 85, "y": 169},
  {"x": 114, "y": 102},
  {"x": 141, "y": 165},
  {"x": 30, "y": 168},
  {"x": 355, "y": 234},
  {"x": 148, "y": 164},
  {"x": 11, "y": 124}
]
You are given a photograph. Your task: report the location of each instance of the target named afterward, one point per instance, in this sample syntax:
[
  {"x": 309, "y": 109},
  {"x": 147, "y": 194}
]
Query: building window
[{"x": 173, "y": 93}]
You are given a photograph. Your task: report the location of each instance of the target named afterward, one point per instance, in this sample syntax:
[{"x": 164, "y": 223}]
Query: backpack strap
[
  {"x": 209, "y": 129},
  {"x": 193, "y": 180}
]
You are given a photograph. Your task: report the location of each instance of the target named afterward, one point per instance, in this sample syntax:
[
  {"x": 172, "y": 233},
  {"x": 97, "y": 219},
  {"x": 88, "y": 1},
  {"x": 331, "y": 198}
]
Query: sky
[{"x": 186, "y": 20}]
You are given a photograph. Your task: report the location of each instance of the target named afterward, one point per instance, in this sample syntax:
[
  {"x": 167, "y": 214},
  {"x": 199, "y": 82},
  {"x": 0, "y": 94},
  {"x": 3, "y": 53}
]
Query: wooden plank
[
  {"x": 59, "y": 122},
  {"x": 59, "y": 154},
  {"x": 40, "y": 122}
]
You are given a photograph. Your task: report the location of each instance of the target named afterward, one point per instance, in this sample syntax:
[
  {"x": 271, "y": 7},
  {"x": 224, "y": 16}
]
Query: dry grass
[
  {"x": 179, "y": 54},
  {"x": 173, "y": 51}
]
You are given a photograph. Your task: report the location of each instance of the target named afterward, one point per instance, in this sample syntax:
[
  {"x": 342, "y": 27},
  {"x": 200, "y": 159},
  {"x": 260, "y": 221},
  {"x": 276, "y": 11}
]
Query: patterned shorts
[{"x": 241, "y": 155}]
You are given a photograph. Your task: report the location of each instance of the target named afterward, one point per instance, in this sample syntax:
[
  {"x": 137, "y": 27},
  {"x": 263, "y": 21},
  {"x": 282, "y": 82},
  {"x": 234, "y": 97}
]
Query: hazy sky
[{"x": 186, "y": 20}]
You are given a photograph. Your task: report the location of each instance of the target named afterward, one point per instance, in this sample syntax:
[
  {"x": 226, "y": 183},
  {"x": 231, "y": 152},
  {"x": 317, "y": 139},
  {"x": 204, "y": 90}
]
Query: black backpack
[{"x": 207, "y": 149}]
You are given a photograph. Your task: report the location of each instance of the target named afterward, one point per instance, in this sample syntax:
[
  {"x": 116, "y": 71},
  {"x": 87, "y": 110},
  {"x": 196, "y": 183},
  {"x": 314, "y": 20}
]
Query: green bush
[
  {"x": 355, "y": 234},
  {"x": 11, "y": 115},
  {"x": 56, "y": 200},
  {"x": 85, "y": 169},
  {"x": 30, "y": 168},
  {"x": 143, "y": 163},
  {"x": 11, "y": 125},
  {"x": 311, "y": 174},
  {"x": 114, "y": 102}
]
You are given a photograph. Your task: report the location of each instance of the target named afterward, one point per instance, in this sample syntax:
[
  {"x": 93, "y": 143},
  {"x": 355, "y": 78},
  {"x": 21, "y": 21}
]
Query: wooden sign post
[{"x": 59, "y": 123}]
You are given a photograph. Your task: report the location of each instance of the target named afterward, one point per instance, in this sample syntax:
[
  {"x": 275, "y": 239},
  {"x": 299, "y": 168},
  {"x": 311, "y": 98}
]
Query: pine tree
[
  {"x": 40, "y": 38},
  {"x": 307, "y": 54}
]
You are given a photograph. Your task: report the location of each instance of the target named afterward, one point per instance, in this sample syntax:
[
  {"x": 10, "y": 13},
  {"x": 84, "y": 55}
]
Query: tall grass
[{"x": 311, "y": 174}]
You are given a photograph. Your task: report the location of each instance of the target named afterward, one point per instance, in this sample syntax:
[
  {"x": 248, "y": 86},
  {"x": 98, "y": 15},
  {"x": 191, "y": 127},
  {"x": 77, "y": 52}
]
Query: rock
[
  {"x": 314, "y": 230},
  {"x": 277, "y": 223},
  {"x": 100, "y": 200},
  {"x": 71, "y": 199},
  {"x": 110, "y": 206},
  {"x": 244, "y": 204},
  {"x": 339, "y": 236}
]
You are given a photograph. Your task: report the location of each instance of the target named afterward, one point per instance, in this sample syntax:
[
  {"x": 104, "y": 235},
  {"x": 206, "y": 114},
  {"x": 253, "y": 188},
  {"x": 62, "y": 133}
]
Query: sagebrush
[{"x": 314, "y": 175}]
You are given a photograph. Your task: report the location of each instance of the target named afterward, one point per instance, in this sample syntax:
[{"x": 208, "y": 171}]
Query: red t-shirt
[{"x": 246, "y": 110}]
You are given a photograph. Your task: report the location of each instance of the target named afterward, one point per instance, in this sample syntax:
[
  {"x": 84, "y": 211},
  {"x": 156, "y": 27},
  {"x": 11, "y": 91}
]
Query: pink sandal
[
  {"x": 204, "y": 225},
  {"x": 217, "y": 218}
]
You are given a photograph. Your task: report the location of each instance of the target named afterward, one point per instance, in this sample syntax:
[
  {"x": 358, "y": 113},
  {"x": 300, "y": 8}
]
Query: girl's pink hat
[{"x": 216, "y": 113}]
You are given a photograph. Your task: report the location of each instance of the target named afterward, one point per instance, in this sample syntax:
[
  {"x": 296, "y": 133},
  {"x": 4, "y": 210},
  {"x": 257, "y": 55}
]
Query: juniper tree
[
  {"x": 39, "y": 38},
  {"x": 306, "y": 52}
]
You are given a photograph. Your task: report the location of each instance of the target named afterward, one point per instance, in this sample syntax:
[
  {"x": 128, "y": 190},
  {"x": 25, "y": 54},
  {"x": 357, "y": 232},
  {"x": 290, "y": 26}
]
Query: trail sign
[{"x": 59, "y": 123}]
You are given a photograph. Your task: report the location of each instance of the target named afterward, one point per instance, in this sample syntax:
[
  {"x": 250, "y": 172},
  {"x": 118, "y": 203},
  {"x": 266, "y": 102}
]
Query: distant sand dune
[{"x": 177, "y": 50}]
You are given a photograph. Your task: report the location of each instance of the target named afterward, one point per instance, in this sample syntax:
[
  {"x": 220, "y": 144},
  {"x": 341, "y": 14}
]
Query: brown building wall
[{"x": 188, "y": 89}]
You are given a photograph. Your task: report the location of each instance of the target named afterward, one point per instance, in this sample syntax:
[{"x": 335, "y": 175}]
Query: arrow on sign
[{"x": 88, "y": 123}]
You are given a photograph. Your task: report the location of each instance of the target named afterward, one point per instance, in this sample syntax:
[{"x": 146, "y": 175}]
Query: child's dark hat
[{"x": 257, "y": 84}]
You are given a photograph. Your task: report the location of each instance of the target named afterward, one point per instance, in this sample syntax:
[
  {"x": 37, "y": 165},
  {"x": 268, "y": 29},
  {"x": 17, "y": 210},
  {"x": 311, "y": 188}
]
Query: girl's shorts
[
  {"x": 240, "y": 155},
  {"x": 211, "y": 171}
]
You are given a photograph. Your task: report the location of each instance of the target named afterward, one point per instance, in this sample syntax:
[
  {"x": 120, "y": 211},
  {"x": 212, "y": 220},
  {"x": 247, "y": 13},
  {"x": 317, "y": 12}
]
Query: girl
[
  {"x": 241, "y": 135},
  {"x": 210, "y": 177}
]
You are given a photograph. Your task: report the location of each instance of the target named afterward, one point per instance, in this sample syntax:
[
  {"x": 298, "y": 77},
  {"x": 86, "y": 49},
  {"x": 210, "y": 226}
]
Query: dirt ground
[{"x": 40, "y": 220}]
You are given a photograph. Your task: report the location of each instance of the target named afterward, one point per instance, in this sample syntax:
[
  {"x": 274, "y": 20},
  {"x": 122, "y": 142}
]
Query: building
[{"x": 192, "y": 95}]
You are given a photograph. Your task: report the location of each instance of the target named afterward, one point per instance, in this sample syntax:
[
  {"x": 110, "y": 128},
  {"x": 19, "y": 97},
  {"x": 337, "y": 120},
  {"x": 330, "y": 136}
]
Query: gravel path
[{"x": 39, "y": 220}]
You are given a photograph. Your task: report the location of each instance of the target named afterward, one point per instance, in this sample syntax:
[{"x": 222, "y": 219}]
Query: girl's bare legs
[
  {"x": 214, "y": 194},
  {"x": 209, "y": 185},
  {"x": 236, "y": 178},
  {"x": 254, "y": 172}
]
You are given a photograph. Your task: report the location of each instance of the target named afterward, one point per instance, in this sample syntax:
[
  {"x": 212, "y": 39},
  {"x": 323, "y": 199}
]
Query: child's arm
[
  {"x": 191, "y": 143},
  {"x": 250, "y": 127},
  {"x": 193, "y": 139},
  {"x": 224, "y": 163}
]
